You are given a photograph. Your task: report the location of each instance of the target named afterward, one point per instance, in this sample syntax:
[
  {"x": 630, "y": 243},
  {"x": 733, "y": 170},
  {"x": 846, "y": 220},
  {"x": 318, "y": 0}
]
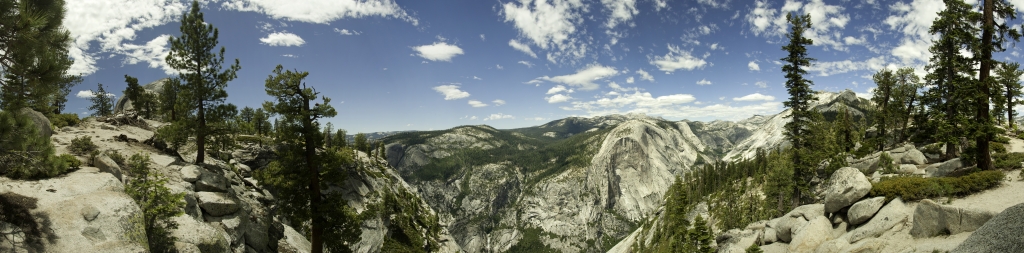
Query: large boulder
[
  {"x": 913, "y": 156},
  {"x": 293, "y": 242},
  {"x": 211, "y": 182},
  {"x": 847, "y": 185},
  {"x": 833, "y": 246},
  {"x": 1003, "y": 233},
  {"x": 932, "y": 219},
  {"x": 106, "y": 164},
  {"x": 40, "y": 121},
  {"x": 810, "y": 236},
  {"x": 217, "y": 203},
  {"x": 190, "y": 173},
  {"x": 891, "y": 214},
  {"x": 193, "y": 234},
  {"x": 789, "y": 224},
  {"x": 943, "y": 169},
  {"x": 736, "y": 241},
  {"x": 863, "y": 210}
]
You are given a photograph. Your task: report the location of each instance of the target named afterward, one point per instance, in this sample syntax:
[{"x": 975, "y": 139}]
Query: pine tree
[
  {"x": 303, "y": 174},
  {"x": 885, "y": 82},
  {"x": 947, "y": 74},
  {"x": 340, "y": 138},
  {"x": 102, "y": 101},
  {"x": 201, "y": 69},
  {"x": 907, "y": 85},
  {"x": 362, "y": 144},
  {"x": 800, "y": 98},
  {"x": 1008, "y": 80},
  {"x": 701, "y": 236},
  {"x": 148, "y": 188},
  {"x": 60, "y": 98},
  {"x": 142, "y": 101},
  {"x": 24, "y": 153},
  {"x": 33, "y": 55},
  {"x": 993, "y": 35},
  {"x": 169, "y": 99}
]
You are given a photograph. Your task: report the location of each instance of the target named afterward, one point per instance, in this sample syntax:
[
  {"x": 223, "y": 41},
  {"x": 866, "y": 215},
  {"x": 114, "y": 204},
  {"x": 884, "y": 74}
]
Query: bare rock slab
[
  {"x": 863, "y": 210},
  {"x": 217, "y": 203}
]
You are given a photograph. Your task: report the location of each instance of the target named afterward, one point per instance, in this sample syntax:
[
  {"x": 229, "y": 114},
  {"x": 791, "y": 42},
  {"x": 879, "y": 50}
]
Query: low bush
[
  {"x": 1001, "y": 139},
  {"x": 1007, "y": 161},
  {"x": 82, "y": 145},
  {"x": 934, "y": 148},
  {"x": 71, "y": 161},
  {"x": 886, "y": 164},
  {"x": 997, "y": 147},
  {"x": 117, "y": 157},
  {"x": 66, "y": 119},
  {"x": 917, "y": 188}
]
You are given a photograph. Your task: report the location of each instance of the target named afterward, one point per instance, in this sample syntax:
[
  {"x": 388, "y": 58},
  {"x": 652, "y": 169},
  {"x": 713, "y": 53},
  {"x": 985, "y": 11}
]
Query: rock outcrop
[
  {"x": 40, "y": 121},
  {"x": 1000, "y": 234},
  {"x": 932, "y": 219},
  {"x": 863, "y": 210},
  {"x": 846, "y": 186}
]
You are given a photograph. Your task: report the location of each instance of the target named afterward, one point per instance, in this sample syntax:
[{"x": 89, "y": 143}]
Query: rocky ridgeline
[{"x": 226, "y": 209}]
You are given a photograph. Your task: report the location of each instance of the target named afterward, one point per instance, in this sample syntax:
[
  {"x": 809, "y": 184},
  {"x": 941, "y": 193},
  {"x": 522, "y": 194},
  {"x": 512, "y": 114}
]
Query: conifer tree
[
  {"x": 800, "y": 98},
  {"x": 148, "y": 188},
  {"x": 24, "y": 153},
  {"x": 885, "y": 84},
  {"x": 361, "y": 143},
  {"x": 993, "y": 35},
  {"x": 303, "y": 174},
  {"x": 34, "y": 55},
  {"x": 340, "y": 138},
  {"x": 907, "y": 85},
  {"x": 169, "y": 99},
  {"x": 1008, "y": 80},
  {"x": 102, "y": 102},
  {"x": 947, "y": 74},
  {"x": 202, "y": 71},
  {"x": 142, "y": 101}
]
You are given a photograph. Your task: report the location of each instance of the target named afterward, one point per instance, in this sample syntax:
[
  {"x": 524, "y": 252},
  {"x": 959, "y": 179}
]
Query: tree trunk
[
  {"x": 906, "y": 122},
  {"x": 1009, "y": 108},
  {"x": 314, "y": 179},
  {"x": 201, "y": 135},
  {"x": 983, "y": 117}
]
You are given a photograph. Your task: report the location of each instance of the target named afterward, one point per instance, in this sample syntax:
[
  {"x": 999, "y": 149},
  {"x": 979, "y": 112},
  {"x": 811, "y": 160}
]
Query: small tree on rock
[{"x": 102, "y": 101}]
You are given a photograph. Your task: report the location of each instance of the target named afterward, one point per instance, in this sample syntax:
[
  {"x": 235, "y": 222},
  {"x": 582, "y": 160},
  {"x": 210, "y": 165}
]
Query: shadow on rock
[{"x": 19, "y": 229}]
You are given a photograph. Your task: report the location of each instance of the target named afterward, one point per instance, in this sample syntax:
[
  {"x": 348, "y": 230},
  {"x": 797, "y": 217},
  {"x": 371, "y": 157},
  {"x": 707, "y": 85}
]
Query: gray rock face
[
  {"x": 1000, "y": 234},
  {"x": 211, "y": 182},
  {"x": 863, "y": 210},
  {"x": 932, "y": 219},
  {"x": 787, "y": 225},
  {"x": 907, "y": 169},
  {"x": 199, "y": 235},
  {"x": 736, "y": 241},
  {"x": 891, "y": 214},
  {"x": 943, "y": 169},
  {"x": 810, "y": 236},
  {"x": 106, "y": 164},
  {"x": 833, "y": 246},
  {"x": 847, "y": 185},
  {"x": 217, "y": 203},
  {"x": 913, "y": 156},
  {"x": 293, "y": 242},
  {"x": 770, "y": 236},
  {"x": 40, "y": 121},
  {"x": 190, "y": 173}
]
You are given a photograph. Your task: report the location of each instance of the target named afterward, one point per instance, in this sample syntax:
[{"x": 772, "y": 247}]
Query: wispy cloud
[{"x": 451, "y": 92}]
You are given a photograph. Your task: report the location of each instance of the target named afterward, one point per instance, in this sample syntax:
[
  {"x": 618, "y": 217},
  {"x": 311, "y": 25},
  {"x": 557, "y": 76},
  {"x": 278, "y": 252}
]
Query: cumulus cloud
[
  {"x": 498, "y": 116},
  {"x": 522, "y": 48},
  {"x": 844, "y": 66},
  {"x": 630, "y": 80},
  {"x": 753, "y": 66},
  {"x": 498, "y": 102},
  {"x": 321, "y": 11},
  {"x": 549, "y": 25},
  {"x": 703, "y": 82},
  {"x": 282, "y": 39},
  {"x": 755, "y": 97},
  {"x": 828, "y": 21},
  {"x": 620, "y": 11},
  {"x": 89, "y": 94},
  {"x": 914, "y": 19},
  {"x": 112, "y": 25},
  {"x": 557, "y": 89},
  {"x": 347, "y": 32},
  {"x": 644, "y": 75},
  {"x": 761, "y": 84},
  {"x": 683, "y": 106},
  {"x": 451, "y": 92},
  {"x": 439, "y": 51},
  {"x": 475, "y": 103},
  {"x": 557, "y": 98},
  {"x": 677, "y": 59},
  {"x": 584, "y": 78},
  {"x": 526, "y": 63}
]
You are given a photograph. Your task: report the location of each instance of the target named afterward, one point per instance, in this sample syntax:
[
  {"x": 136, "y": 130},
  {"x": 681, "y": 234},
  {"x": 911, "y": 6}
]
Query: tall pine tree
[
  {"x": 202, "y": 71},
  {"x": 800, "y": 98},
  {"x": 993, "y": 35},
  {"x": 1008, "y": 81},
  {"x": 143, "y": 102},
  {"x": 948, "y": 74},
  {"x": 303, "y": 173},
  {"x": 102, "y": 102},
  {"x": 34, "y": 57}
]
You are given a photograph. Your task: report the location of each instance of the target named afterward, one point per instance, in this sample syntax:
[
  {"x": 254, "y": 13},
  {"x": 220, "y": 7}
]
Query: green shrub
[
  {"x": 65, "y": 119},
  {"x": 1001, "y": 139},
  {"x": 917, "y": 188},
  {"x": 72, "y": 161},
  {"x": 117, "y": 157},
  {"x": 82, "y": 145},
  {"x": 148, "y": 189},
  {"x": 997, "y": 147},
  {"x": 886, "y": 164},
  {"x": 867, "y": 147},
  {"x": 1007, "y": 161},
  {"x": 24, "y": 154},
  {"x": 934, "y": 148}
]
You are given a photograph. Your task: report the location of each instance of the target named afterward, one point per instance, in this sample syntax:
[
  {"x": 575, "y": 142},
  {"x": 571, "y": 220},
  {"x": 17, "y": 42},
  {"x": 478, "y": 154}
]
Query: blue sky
[{"x": 421, "y": 65}]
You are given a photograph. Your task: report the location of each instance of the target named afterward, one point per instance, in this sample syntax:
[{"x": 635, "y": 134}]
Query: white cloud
[
  {"x": 483, "y": 37},
  {"x": 475, "y": 103},
  {"x": 714, "y": 46},
  {"x": 111, "y": 24},
  {"x": 498, "y": 66},
  {"x": 347, "y": 32},
  {"x": 630, "y": 80},
  {"x": 535, "y": 118},
  {"x": 755, "y": 97},
  {"x": 637, "y": 100},
  {"x": 620, "y": 11},
  {"x": 827, "y": 21},
  {"x": 285, "y": 39},
  {"x": 557, "y": 89},
  {"x": 499, "y": 116},
  {"x": 451, "y": 92},
  {"x": 477, "y": 78},
  {"x": 844, "y": 66},
  {"x": 549, "y": 25},
  {"x": 473, "y": 118},
  {"x": 914, "y": 20},
  {"x": 290, "y": 55},
  {"x": 439, "y": 51},
  {"x": 522, "y": 48},
  {"x": 683, "y": 106},
  {"x": 557, "y": 98},
  {"x": 498, "y": 102},
  {"x": 89, "y": 94},
  {"x": 715, "y": 3},
  {"x": 761, "y": 84},
  {"x": 321, "y": 11},
  {"x": 677, "y": 59},
  {"x": 703, "y": 82},
  {"x": 584, "y": 78},
  {"x": 753, "y": 66},
  {"x": 644, "y": 75},
  {"x": 528, "y": 64}
]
